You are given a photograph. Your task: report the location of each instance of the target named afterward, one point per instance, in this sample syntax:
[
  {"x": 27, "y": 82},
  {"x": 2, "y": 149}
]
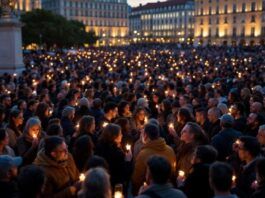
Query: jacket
[
  {"x": 59, "y": 176},
  {"x": 154, "y": 147}
]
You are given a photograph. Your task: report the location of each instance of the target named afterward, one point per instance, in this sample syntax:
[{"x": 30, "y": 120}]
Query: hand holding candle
[
  {"x": 128, "y": 147},
  {"x": 82, "y": 177}
]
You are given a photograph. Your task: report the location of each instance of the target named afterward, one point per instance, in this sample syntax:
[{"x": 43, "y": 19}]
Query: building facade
[
  {"x": 229, "y": 22},
  {"x": 28, "y": 5},
  {"x": 107, "y": 18},
  {"x": 169, "y": 21}
]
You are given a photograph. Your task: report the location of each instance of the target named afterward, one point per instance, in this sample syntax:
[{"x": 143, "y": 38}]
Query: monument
[{"x": 11, "y": 60}]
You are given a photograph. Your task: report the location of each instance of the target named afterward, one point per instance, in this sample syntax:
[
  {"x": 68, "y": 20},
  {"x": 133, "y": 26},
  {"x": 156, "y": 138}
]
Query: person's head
[
  {"x": 33, "y": 127},
  {"x": 124, "y": 108},
  {"x": 261, "y": 135},
  {"x": 111, "y": 134},
  {"x": 200, "y": 115},
  {"x": 214, "y": 114},
  {"x": 22, "y": 105},
  {"x": 68, "y": 112},
  {"x": 237, "y": 109},
  {"x": 204, "y": 154},
  {"x": 4, "y": 140},
  {"x": 30, "y": 181},
  {"x": 223, "y": 108},
  {"x": 97, "y": 161},
  {"x": 254, "y": 120},
  {"x": 248, "y": 148},
  {"x": 158, "y": 170},
  {"x": 8, "y": 167},
  {"x": 184, "y": 116},
  {"x": 54, "y": 130},
  {"x": 124, "y": 124},
  {"x": 56, "y": 148},
  {"x": 87, "y": 124},
  {"x": 193, "y": 133},
  {"x": 212, "y": 102},
  {"x": 260, "y": 170},
  {"x": 183, "y": 100},
  {"x": 151, "y": 132},
  {"x": 6, "y": 101},
  {"x": 16, "y": 117},
  {"x": 54, "y": 121},
  {"x": 97, "y": 184},
  {"x": 226, "y": 121},
  {"x": 139, "y": 114},
  {"x": 256, "y": 107},
  {"x": 32, "y": 105},
  {"x": 42, "y": 110},
  {"x": 142, "y": 102},
  {"x": 2, "y": 113},
  {"x": 97, "y": 103},
  {"x": 111, "y": 109},
  {"x": 220, "y": 177}
]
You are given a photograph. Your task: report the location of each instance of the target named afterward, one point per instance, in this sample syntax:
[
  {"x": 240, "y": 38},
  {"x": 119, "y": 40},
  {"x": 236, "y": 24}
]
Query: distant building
[
  {"x": 229, "y": 21},
  {"x": 107, "y": 18},
  {"x": 28, "y": 5},
  {"x": 169, "y": 21}
]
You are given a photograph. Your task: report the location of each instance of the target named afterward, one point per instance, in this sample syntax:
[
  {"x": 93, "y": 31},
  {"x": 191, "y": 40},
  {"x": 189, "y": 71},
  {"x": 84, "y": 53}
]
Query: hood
[
  {"x": 43, "y": 160},
  {"x": 158, "y": 144}
]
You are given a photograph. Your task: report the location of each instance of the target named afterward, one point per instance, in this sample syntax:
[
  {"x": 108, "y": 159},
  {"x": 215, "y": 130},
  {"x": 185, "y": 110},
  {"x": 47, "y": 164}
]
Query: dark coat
[
  {"x": 223, "y": 142},
  {"x": 197, "y": 182},
  {"x": 240, "y": 124},
  {"x": 214, "y": 129},
  {"x": 68, "y": 126},
  {"x": 8, "y": 189},
  {"x": 119, "y": 169},
  {"x": 260, "y": 192}
]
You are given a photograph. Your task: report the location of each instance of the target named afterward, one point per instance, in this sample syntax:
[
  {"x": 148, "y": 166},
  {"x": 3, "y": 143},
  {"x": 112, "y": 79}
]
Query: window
[
  {"x": 253, "y": 6},
  {"x": 243, "y": 31},
  {"x": 234, "y": 19},
  {"x": 225, "y": 20},
  {"x": 210, "y": 21},
  {"x": 234, "y": 8},
  {"x": 217, "y": 10},
  {"x": 217, "y": 20},
  {"x": 234, "y": 32},
  {"x": 210, "y": 32},
  {"x": 253, "y": 19},
  {"x": 225, "y": 32},
  {"x": 225, "y": 9},
  {"x": 201, "y": 32},
  {"x": 252, "y": 31},
  {"x": 201, "y": 22},
  {"x": 244, "y": 7},
  {"x": 210, "y": 10},
  {"x": 217, "y": 32}
]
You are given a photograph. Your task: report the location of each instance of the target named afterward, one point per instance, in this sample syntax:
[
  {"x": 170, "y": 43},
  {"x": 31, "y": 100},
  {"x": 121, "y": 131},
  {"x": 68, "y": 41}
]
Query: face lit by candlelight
[{"x": 34, "y": 131}]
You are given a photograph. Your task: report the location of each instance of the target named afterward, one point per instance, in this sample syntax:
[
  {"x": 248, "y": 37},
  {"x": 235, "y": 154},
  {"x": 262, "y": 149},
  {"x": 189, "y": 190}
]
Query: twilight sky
[{"x": 137, "y": 2}]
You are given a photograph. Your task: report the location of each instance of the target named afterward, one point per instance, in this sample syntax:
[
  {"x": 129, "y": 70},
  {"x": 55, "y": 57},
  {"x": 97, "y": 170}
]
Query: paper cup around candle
[
  {"x": 82, "y": 177},
  {"x": 181, "y": 173}
]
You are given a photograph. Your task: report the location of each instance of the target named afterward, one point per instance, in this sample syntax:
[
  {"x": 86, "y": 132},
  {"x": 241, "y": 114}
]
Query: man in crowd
[{"x": 60, "y": 170}]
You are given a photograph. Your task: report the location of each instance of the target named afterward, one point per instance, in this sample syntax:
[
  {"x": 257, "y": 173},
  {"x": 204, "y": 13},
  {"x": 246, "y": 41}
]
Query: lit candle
[
  {"x": 145, "y": 120},
  {"x": 157, "y": 106},
  {"x": 171, "y": 125},
  {"x": 181, "y": 173},
  {"x": 105, "y": 124},
  {"x": 34, "y": 136},
  {"x": 128, "y": 147},
  {"x": 82, "y": 177},
  {"x": 118, "y": 194},
  {"x": 234, "y": 178},
  {"x": 77, "y": 126}
]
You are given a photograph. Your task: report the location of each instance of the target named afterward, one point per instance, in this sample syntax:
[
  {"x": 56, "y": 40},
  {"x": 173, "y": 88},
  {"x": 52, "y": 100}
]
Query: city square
[{"x": 146, "y": 99}]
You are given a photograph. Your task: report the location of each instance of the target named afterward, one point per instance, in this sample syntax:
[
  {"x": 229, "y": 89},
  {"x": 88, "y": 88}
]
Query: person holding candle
[
  {"x": 159, "y": 171},
  {"x": 62, "y": 176},
  {"x": 28, "y": 143},
  {"x": 42, "y": 112},
  {"x": 4, "y": 148}
]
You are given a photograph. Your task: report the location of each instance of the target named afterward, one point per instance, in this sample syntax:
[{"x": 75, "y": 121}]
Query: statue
[{"x": 7, "y": 7}]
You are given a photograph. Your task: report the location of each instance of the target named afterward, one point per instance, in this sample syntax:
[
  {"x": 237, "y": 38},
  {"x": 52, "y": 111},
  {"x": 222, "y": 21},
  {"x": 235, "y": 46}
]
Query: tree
[{"x": 44, "y": 27}]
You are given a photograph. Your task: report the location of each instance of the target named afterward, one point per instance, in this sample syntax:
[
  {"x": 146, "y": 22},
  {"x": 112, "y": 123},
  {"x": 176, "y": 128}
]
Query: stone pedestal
[{"x": 11, "y": 60}]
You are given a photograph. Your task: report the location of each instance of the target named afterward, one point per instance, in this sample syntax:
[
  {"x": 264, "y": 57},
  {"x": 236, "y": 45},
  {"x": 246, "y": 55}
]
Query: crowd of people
[{"x": 147, "y": 121}]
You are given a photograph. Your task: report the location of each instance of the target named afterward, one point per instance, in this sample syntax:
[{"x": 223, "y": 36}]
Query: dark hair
[
  {"x": 109, "y": 106},
  {"x": 54, "y": 121},
  {"x": 41, "y": 109},
  {"x": 54, "y": 129},
  {"x": 206, "y": 153},
  {"x": 51, "y": 143},
  {"x": 152, "y": 131},
  {"x": 32, "y": 102},
  {"x": 82, "y": 151},
  {"x": 122, "y": 122},
  {"x": 30, "y": 181},
  {"x": 14, "y": 113},
  {"x": 260, "y": 169},
  {"x": 185, "y": 115},
  {"x": 110, "y": 133},
  {"x": 160, "y": 169},
  {"x": 3, "y": 134},
  {"x": 121, "y": 107},
  {"x": 240, "y": 107},
  {"x": 200, "y": 136},
  {"x": 251, "y": 145},
  {"x": 221, "y": 176},
  {"x": 202, "y": 111},
  {"x": 97, "y": 161},
  {"x": 86, "y": 122}
]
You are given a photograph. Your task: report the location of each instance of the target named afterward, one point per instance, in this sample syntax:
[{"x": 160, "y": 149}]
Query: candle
[
  {"x": 157, "y": 106},
  {"x": 128, "y": 147},
  {"x": 82, "y": 177},
  {"x": 34, "y": 136},
  {"x": 171, "y": 125},
  {"x": 77, "y": 126},
  {"x": 105, "y": 124},
  {"x": 234, "y": 178},
  {"x": 181, "y": 173},
  {"x": 145, "y": 120},
  {"x": 118, "y": 194}
]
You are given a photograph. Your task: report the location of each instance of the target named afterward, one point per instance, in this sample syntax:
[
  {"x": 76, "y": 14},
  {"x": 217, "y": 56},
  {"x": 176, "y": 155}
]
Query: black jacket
[{"x": 260, "y": 192}]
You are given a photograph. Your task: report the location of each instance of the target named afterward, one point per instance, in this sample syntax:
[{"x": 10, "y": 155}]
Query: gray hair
[
  {"x": 67, "y": 111},
  {"x": 262, "y": 128},
  {"x": 96, "y": 184},
  {"x": 32, "y": 122}
]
